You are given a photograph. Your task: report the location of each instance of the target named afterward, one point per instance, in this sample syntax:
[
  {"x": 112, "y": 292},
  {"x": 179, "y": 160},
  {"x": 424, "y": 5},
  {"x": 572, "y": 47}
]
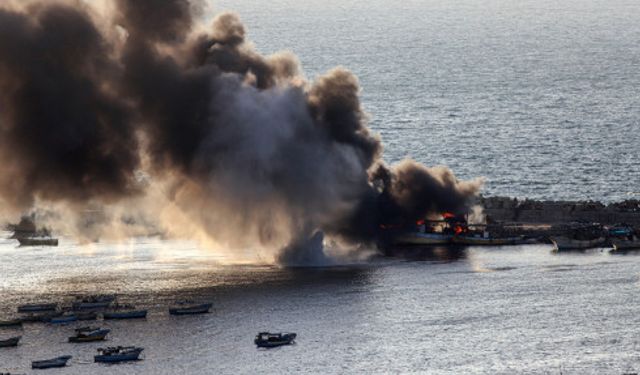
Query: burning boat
[{"x": 452, "y": 230}]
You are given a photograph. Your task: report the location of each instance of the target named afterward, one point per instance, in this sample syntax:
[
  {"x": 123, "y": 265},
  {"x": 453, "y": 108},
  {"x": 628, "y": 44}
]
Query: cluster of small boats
[
  {"x": 84, "y": 308},
  {"x": 619, "y": 238}
]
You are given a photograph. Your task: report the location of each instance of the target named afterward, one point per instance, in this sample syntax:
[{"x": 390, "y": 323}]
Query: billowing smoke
[{"x": 142, "y": 109}]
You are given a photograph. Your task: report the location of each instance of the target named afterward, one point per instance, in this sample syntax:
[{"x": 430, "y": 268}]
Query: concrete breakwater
[{"x": 506, "y": 215}]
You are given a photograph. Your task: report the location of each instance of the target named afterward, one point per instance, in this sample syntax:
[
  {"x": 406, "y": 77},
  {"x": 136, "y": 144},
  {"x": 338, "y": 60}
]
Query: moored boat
[
  {"x": 130, "y": 314},
  {"x": 118, "y": 354},
  {"x": 271, "y": 340},
  {"x": 93, "y": 302},
  {"x": 483, "y": 240},
  {"x": 185, "y": 309},
  {"x": 11, "y": 323},
  {"x": 51, "y": 363},
  {"x": 423, "y": 239},
  {"x": 567, "y": 243},
  {"x": 13, "y": 341},
  {"x": 621, "y": 245},
  {"x": 89, "y": 334},
  {"x": 37, "y": 307},
  {"x": 63, "y": 319},
  {"x": 43, "y": 317},
  {"x": 37, "y": 241}
]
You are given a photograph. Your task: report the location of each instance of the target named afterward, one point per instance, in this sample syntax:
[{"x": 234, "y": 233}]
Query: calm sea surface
[
  {"x": 540, "y": 97},
  {"x": 503, "y": 310}
]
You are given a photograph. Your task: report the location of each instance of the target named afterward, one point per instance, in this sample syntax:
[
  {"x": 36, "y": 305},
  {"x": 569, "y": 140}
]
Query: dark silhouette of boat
[
  {"x": 10, "y": 342},
  {"x": 63, "y": 319},
  {"x": 37, "y": 307},
  {"x": 50, "y": 363},
  {"x": 93, "y": 302},
  {"x": 89, "y": 334},
  {"x": 118, "y": 354},
  {"x": 11, "y": 323},
  {"x": 129, "y": 314},
  {"x": 185, "y": 309},
  {"x": 37, "y": 241},
  {"x": 42, "y": 317},
  {"x": 272, "y": 340}
]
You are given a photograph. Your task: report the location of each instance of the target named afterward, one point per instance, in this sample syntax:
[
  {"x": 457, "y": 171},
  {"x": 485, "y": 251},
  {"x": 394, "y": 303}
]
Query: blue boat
[
  {"x": 118, "y": 354},
  {"x": 131, "y": 314},
  {"x": 63, "y": 319}
]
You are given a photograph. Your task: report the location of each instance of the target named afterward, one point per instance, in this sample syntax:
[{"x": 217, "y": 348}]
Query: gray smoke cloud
[{"x": 244, "y": 148}]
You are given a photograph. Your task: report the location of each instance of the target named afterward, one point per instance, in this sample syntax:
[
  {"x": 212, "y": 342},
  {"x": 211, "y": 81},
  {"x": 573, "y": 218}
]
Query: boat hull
[
  {"x": 192, "y": 310},
  {"x": 115, "y": 358},
  {"x": 565, "y": 243},
  {"x": 417, "y": 238},
  {"x": 11, "y": 323},
  {"x": 91, "y": 305},
  {"x": 125, "y": 315},
  {"x": 63, "y": 319},
  {"x": 95, "y": 338},
  {"x": 38, "y": 241},
  {"x": 51, "y": 363},
  {"x": 481, "y": 241},
  {"x": 623, "y": 245},
  {"x": 10, "y": 342},
  {"x": 40, "y": 307}
]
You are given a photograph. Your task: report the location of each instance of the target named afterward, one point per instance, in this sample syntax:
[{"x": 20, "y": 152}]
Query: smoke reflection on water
[{"x": 427, "y": 309}]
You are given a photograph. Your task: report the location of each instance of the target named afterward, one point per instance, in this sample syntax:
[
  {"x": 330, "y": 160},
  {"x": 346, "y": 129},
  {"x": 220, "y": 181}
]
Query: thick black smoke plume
[{"x": 105, "y": 107}]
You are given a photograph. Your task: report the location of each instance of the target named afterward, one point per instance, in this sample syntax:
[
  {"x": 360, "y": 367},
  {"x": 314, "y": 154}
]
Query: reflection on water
[
  {"x": 428, "y": 253},
  {"x": 427, "y": 310}
]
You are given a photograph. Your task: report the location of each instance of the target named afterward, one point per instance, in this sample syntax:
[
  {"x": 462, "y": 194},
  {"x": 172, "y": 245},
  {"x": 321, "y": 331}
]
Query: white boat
[
  {"x": 567, "y": 243},
  {"x": 118, "y": 354}
]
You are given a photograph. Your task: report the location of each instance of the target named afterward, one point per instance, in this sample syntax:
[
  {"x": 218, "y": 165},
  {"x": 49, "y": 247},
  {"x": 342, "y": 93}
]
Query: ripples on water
[
  {"x": 539, "y": 96},
  {"x": 494, "y": 310}
]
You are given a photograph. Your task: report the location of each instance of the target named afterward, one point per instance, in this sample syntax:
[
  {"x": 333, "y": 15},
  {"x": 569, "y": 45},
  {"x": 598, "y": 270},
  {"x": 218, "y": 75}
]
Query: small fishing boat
[
  {"x": 93, "y": 302},
  {"x": 118, "y": 354},
  {"x": 10, "y": 342},
  {"x": 183, "y": 308},
  {"x": 130, "y": 314},
  {"x": 37, "y": 241},
  {"x": 44, "y": 317},
  {"x": 89, "y": 334},
  {"x": 271, "y": 340},
  {"x": 63, "y": 319},
  {"x": 567, "y": 243},
  {"x": 50, "y": 363},
  {"x": 623, "y": 245},
  {"x": 37, "y": 307},
  {"x": 11, "y": 323}
]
